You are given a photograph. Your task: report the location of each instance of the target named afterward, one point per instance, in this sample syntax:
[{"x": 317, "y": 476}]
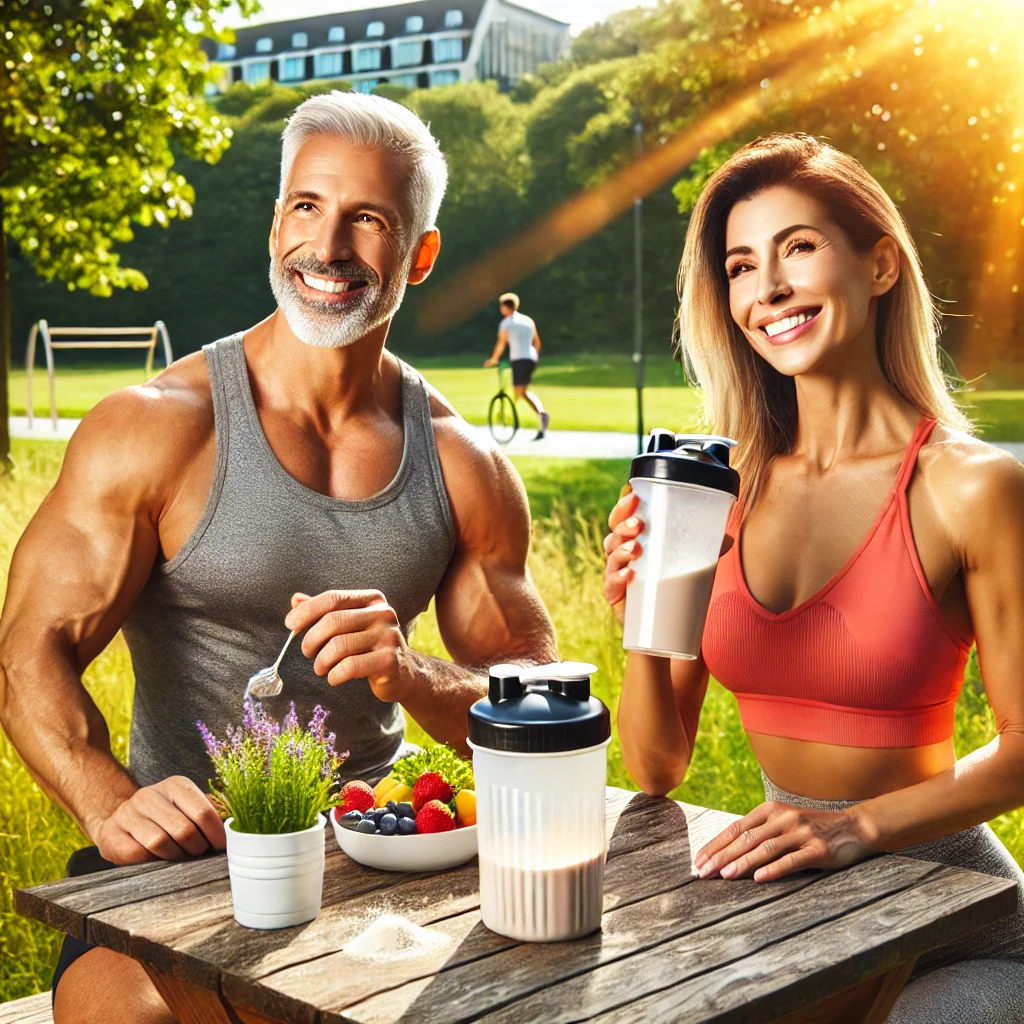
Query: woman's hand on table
[
  {"x": 353, "y": 634},
  {"x": 621, "y": 548},
  {"x": 776, "y": 839}
]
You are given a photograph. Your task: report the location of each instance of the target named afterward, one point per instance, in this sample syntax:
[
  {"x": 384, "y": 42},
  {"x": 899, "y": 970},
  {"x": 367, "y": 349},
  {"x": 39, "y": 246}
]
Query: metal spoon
[{"x": 268, "y": 682}]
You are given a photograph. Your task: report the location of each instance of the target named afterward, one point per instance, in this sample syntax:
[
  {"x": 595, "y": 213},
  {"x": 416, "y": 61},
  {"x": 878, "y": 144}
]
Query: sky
[{"x": 579, "y": 13}]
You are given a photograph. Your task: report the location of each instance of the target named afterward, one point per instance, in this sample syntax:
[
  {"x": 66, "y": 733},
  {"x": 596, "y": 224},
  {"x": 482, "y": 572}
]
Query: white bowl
[{"x": 433, "y": 852}]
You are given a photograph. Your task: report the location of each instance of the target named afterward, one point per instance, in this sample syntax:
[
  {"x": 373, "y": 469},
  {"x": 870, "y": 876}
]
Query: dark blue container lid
[{"x": 543, "y": 710}]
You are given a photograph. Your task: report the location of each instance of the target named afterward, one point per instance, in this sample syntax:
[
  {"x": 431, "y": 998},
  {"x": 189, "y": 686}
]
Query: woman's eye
[
  {"x": 802, "y": 244},
  {"x": 736, "y": 269}
]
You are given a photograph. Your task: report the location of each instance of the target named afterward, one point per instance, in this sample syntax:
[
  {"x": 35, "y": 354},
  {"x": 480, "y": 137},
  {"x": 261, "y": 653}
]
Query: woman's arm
[
  {"x": 661, "y": 697},
  {"x": 980, "y": 498}
]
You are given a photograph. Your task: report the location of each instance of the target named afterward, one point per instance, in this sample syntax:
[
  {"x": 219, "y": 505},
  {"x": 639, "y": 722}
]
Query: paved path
[{"x": 563, "y": 444}]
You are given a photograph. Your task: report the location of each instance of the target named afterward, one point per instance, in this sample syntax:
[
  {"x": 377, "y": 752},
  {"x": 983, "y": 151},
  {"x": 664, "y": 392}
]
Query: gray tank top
[{"x": 214, "y": 614}]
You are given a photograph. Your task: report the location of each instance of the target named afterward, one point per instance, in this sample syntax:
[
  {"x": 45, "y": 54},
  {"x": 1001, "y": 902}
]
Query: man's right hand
[{"x": 168, "y": 821}]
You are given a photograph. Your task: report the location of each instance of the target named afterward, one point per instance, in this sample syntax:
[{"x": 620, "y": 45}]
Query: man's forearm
[
  {"x": 62, "y": 738},
  {"x": 439, "y": 696}
]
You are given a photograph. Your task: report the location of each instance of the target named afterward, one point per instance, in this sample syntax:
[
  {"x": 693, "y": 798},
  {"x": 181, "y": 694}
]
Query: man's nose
[{"x": 333, "y": 241}]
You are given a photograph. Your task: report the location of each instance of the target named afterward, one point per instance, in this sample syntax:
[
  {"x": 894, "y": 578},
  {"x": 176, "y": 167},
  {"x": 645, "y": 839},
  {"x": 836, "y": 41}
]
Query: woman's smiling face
[{"x": 798, "y": 289}]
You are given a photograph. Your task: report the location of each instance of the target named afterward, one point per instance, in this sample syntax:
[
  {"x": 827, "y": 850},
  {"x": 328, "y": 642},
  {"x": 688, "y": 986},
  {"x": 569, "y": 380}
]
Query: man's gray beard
[{"x": 323, "y": 325}]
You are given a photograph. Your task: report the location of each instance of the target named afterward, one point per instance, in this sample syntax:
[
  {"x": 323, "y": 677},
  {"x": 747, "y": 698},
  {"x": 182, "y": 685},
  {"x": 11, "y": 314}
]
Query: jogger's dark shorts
[
  {"x": 522, "y": 372},
  {"x": 82, "y": 862}
]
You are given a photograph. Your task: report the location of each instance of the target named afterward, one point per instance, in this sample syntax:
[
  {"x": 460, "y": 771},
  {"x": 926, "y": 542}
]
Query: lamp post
[{"x": 638, "y": 308}]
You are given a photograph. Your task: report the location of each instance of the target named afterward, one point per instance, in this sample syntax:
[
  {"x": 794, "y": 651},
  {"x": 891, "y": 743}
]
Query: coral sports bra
[{"x": 868, "y": 661}]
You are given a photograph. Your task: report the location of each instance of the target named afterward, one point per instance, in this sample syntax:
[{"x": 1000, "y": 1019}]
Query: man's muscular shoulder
[
  {"x": 142, "y": 439},
  {"x": 487, "y": 497}
]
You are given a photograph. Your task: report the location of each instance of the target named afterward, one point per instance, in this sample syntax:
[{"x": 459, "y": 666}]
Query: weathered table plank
[
  {"x": 33, "y": 1010},
  {"x": 670, "y": 948},
  {"x": 791, "y": 974}
]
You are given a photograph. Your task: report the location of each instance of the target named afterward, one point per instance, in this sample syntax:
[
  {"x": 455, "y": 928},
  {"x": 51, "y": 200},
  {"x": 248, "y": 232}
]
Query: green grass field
[
  {"x": 569, "y": 500},
  {"x": 589, "y": 392}
]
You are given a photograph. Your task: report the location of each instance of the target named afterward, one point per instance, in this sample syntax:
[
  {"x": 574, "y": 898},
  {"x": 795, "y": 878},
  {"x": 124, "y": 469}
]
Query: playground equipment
[{"x": 90, "y": 337}]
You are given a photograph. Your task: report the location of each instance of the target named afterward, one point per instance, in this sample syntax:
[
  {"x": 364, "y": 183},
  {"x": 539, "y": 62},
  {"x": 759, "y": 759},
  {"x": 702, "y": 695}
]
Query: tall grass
[{"x": 36, "y": 838}]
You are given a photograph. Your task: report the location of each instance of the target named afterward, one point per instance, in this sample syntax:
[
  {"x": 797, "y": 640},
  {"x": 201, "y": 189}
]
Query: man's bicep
[
  {"x": 487, "y": 605},
  {"x": 85, "y": 555}
]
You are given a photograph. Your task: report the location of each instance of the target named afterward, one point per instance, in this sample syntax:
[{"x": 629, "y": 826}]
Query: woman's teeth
[
  {"x": 781, "y": 326},
  {"x": 323, "y": 285}
]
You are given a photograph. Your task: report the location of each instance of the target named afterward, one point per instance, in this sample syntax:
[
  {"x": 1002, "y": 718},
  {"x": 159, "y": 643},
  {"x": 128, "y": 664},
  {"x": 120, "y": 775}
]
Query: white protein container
[
  {"x": 686, "y": 490},
  {"x": 540, "y": 744}
]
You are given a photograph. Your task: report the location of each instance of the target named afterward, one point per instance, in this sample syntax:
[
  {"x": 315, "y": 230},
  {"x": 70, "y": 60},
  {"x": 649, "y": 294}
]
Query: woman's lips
[{"x": 794, "y": 332}]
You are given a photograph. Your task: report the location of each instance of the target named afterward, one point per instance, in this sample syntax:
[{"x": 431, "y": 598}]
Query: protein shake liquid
[
  {"x": 540, "y": 744},
  {"x": 686, "y": 489}
]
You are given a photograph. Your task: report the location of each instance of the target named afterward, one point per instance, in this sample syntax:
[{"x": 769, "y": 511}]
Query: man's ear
[
  {"x": 275, "y": 227},
  {"x": 886, "y": 255},
  {"x": 426, "y": 257}
]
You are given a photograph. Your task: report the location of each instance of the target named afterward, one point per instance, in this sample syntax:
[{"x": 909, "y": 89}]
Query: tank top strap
[{"x": 921, "y": 434}]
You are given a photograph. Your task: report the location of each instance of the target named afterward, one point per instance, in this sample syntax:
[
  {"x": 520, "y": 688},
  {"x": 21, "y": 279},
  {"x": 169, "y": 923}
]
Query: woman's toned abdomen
[{"x": 823, "y": 771}]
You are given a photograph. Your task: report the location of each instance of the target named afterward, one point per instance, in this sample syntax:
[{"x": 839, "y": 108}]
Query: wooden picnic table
[{"x": 814, "y": 947}]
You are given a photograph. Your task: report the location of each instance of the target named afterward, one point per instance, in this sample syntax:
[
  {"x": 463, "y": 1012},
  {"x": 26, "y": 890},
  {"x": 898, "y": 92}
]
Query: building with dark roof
[{"x": 418, "y": 45}]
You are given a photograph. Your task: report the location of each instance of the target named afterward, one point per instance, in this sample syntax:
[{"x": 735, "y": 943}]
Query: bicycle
[{"x": 502, "y": 416}]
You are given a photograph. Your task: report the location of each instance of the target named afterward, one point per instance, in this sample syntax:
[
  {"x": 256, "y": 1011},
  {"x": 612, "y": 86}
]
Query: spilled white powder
[{"x": 391, "y": 937}]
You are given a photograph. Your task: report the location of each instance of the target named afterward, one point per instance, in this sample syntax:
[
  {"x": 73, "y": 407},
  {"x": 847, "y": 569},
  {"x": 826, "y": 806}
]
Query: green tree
[{"x": 95, "y": 100}]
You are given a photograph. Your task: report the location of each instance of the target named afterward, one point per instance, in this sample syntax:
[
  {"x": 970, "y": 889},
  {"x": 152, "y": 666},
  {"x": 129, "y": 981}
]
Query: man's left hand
[
  {"x": 352, "y": 634},
  {"x": 776, "y": 839}
]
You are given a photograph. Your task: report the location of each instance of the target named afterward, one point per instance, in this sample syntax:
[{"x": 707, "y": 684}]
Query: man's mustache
[{"x": 351, "y": 271}]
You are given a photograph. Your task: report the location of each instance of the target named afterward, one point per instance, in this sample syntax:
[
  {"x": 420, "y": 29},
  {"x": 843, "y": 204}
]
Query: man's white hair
[{"x": 374, "y": 123}]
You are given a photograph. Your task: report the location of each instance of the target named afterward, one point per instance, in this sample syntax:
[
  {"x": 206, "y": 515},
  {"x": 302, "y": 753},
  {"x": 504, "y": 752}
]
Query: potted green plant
[{"x": 273, "y": 783}]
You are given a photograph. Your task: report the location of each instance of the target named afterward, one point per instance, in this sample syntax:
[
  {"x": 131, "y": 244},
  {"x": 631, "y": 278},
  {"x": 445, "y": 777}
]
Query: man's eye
[
  {"x": 303, "y": 206},
  {"x": 367, "y": 218}
]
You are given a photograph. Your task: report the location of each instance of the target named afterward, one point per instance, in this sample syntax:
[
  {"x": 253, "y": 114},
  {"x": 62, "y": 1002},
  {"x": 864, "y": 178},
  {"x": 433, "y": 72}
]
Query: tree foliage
[{"x": 96, "y": 98}]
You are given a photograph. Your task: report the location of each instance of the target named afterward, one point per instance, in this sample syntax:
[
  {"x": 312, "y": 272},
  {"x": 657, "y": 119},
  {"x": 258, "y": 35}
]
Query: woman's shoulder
[{"x": 970, "y": 479}]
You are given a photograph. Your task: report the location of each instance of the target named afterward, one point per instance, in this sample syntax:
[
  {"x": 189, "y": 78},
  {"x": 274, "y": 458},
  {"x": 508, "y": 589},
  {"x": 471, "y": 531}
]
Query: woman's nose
[{"x": 771, "y": 285}]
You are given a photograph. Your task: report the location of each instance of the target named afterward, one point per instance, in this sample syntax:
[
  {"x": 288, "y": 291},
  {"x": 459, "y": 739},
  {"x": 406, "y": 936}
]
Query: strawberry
[
  {"x": 434, "y": 816},
  {"x": 430, "y": 786},
  {"x": 355, "y": 796}
]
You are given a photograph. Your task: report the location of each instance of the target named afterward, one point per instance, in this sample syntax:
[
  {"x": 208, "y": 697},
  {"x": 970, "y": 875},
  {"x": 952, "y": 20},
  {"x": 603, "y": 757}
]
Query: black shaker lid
[
  {"x": 542, "y": 710},
  {"x": 701, "y": 459}
]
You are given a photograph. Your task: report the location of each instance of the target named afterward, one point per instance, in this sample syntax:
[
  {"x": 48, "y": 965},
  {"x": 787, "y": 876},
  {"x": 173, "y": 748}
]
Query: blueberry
[
  {"x": 388, "y": 825},
  {"x": 406, "y": 811},
  {"x": 378, "y": 815},
  {"x": 407, "y": 826},
  {"x": 392, "y": 807},
  {"x": 351, "y": 818},
  {"x": 366, "y": 826},
  {"x": 368, "y": 814}
]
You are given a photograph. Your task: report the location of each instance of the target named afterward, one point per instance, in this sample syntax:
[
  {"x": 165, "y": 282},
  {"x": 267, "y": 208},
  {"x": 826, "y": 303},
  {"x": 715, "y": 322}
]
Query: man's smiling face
[{"x": 341, "y": 246}]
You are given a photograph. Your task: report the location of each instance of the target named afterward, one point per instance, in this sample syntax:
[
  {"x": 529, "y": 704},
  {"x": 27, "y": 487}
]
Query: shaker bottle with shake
[
  {"x": 686, "y": 488},
  {"x": 540, "y": 745}
]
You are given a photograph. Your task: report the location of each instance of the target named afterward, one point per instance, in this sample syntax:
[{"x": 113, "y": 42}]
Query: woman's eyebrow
[{"x": 779, "y": 236}]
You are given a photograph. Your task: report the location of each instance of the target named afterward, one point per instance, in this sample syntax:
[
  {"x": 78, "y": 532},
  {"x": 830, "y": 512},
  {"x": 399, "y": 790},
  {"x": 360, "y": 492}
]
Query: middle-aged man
[{"x": 199, "y": 511}]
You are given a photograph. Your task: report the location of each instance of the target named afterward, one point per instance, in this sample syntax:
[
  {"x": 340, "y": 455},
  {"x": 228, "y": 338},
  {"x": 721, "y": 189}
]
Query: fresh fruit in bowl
[{"x": 425, "y": 810}]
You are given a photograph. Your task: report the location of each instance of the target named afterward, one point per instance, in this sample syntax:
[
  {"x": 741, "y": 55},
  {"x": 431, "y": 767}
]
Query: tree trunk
[{"x": 5, "y": 349}]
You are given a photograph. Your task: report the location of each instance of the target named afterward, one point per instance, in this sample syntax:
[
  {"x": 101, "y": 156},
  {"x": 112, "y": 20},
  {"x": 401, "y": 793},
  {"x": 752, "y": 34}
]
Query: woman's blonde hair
[{"x": 744, "y": 397}]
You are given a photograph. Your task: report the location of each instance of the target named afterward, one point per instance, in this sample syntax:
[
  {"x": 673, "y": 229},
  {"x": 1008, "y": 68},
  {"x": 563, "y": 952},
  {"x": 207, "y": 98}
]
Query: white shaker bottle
[
  {"x": 686, "y": 489},
  {"x": 540, "y": 745}
]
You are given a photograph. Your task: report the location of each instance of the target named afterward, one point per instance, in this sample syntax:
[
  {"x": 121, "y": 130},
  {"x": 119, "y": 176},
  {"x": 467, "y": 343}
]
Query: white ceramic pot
[{"x": 276, "y": 880}]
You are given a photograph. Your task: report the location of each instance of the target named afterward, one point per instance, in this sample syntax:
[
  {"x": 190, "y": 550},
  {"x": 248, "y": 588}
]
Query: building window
[
  {"x": 453, "y": 19},
  {"x": 264, "y": 45},
  {"x": 327, "y": 64},
  {"x": 256, "y": 71},
  {"x": 375, "y": 29},
  {"x": 293, "y": 69},
  {"x": 414, "y": 23},
  {"x": 407, "y": 54},
  {"x": 299, "y": 40},
  {"x": 225, "y": 51},
  {"x": 336, "y": 34},
  {"x": 366, "y": 58},
  {"x": 447, "y": 49},
  {"x": 405, "y": 81},
  {"x": 444, "y": 77},
  {"x": 367, "y": 86}
]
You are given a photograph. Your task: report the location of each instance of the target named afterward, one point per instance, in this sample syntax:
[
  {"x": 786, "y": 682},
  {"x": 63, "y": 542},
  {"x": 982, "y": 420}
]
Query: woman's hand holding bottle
[{"x": 621, "y": 549}]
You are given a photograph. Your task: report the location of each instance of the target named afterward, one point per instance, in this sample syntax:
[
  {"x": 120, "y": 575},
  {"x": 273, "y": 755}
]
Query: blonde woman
[{"x": 874, "y": 541}]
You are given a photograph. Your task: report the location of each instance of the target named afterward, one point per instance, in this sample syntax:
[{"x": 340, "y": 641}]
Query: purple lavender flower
[
  {"x": 291, "y": 720},
  {"x": 213, "y": 745},
  {"x": 317, "y": 722}
]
